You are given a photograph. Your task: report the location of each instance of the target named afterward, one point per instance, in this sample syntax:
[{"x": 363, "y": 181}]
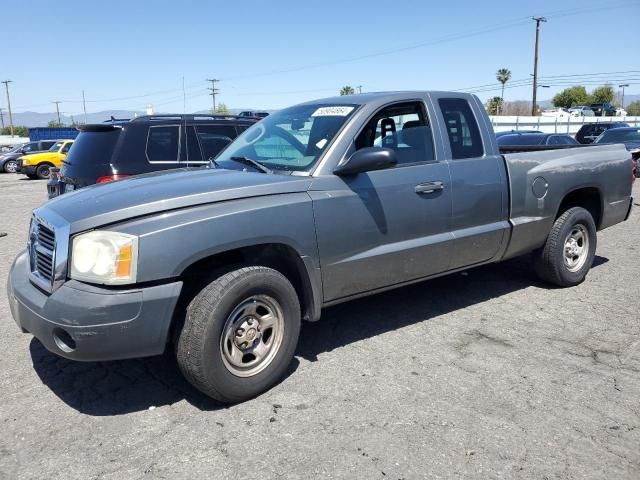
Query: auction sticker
[{"x": 332, "y": 111}]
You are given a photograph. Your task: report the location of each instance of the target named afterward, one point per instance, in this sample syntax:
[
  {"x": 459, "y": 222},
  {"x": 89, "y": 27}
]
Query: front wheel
[
  {"x": 569, "y": 250},
  {"x": 43, "y": 172},
  {"x": 240, "y": 334},
  {"x": 10, "y": 166}
]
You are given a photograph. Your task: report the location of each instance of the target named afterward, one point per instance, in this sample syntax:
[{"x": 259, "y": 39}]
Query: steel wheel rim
[
  {"x": 252, "y": 335},
  {"x": 45, "y": 172},
  {"x": 11, "y": 167},
  {"x": 576, "y": 248}
]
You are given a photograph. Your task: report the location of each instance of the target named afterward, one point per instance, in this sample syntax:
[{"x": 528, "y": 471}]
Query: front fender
[{"x": 171, "y": 241}]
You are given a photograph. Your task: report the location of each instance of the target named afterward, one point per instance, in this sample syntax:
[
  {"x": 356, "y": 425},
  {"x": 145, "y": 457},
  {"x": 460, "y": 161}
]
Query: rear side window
[
  {"x": 47, "y": 145},
  {"x": 462, "y": 128},
  {"x": 93, "y": 148},
  {"x": 66, "y": 148},
  {"x": 163, "y": 143},
  {"x": 213, "y": 138}
]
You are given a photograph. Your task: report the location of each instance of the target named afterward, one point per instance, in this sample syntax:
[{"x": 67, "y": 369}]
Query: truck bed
[{"x": 541, "y": 177}]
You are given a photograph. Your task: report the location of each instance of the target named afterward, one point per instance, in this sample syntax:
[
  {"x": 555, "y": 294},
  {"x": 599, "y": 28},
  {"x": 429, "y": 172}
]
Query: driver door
[{"x": 386, "y": 227}]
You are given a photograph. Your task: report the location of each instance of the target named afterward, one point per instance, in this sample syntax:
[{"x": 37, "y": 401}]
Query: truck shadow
[{"x": 121, "y": 387}]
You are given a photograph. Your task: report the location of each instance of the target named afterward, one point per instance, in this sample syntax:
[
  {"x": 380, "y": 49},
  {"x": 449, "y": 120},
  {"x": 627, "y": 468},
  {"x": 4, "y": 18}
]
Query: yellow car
[{"x": 38, "y": 165}]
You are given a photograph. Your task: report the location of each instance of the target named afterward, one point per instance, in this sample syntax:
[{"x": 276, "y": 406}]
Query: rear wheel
[
  {"x": 569, "y": 250},
  {"x": 10, "y": 166},
  {"x": 239, "y": 334},
  {"x": 43, "y": 172}
]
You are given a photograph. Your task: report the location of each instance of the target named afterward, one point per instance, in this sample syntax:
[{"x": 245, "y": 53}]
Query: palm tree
[
  {"x": 503, "y": 75},
  {"x": 347, "y": 90}
]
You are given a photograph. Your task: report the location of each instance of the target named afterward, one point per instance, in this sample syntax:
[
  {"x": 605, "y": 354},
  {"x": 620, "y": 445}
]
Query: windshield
[
  {"x": 56, "y": 146},
  {"x": 15, "y": 149},
  {"x": 292, "y": 139},
  {"x": 616, "y": 135}
]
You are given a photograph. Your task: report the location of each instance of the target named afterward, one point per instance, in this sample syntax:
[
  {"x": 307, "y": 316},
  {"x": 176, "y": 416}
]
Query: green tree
[
  {"x": 494, "y": 106},
  {"x": 18, "y": 131},
  {"x": 222, "y": 109},
  {"x": 347, "y": 90},
  {"x": 570, "y": 97},
  {"x": 602, "y": 94},
  {"x": 633, "y": 109},
  {"x": 503, "y": 75},
  {"x": 55, "y": 124}
]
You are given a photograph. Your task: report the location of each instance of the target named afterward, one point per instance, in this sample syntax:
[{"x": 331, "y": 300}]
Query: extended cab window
[
  {"x": 403, "y": 127},
  {"x": 163, "y": 143},
  {"x": 462, "y": 128},
  {"x": 66, "y": 148}
]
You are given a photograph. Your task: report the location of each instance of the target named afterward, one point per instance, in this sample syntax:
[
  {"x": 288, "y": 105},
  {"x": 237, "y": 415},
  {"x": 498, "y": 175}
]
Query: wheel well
[
  {"x": 587, "y": 198},
  {"x": 278, "y": 256},
  {"x": 45, "y": 163}
]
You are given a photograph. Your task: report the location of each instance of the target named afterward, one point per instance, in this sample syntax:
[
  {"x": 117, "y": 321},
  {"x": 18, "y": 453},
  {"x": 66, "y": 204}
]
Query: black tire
[
  {"x": 549, "y": 261},
  {"x": 10, "y": 166},
  {"x": 199, "y": 348},
  {"x": 43, "y": 172}
]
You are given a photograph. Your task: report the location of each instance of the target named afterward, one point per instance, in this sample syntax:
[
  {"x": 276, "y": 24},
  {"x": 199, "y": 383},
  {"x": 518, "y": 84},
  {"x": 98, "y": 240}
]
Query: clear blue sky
[{"x": 272, "y": 54}]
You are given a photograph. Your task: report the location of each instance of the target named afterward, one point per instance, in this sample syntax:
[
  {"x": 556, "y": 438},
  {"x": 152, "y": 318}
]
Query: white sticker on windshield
[
  {"x": 332, "y": 111},
  {"x": 321, "y": 143}
]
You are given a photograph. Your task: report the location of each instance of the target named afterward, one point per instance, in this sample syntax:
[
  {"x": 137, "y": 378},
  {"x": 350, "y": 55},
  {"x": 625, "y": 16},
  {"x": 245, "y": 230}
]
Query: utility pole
[
  {"x": 84, "y": 107},
  {"x": 6, "y": 86},
  {"x": 214, "y": 92},
  {"x": 622, "y": 87},
  {"x": 538, "y": 20},
  {"x": 359, "y": 87},
  {"x": 58, "y": 102}
]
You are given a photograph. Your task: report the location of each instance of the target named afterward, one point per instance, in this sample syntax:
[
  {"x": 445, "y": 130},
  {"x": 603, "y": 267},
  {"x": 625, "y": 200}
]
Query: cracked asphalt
[{"x": 486, "y": 374}]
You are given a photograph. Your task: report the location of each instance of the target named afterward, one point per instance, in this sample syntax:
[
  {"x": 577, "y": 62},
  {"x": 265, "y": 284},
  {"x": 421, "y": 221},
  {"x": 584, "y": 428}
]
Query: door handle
[{"x": 429, "y": 187}]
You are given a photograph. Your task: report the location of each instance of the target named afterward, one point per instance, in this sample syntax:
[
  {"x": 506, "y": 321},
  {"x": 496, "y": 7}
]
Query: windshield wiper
[{"x": 252, "y": 163}]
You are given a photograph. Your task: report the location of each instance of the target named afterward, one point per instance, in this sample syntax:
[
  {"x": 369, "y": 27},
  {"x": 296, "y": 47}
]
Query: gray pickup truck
[{"x": 316, "y": 204}]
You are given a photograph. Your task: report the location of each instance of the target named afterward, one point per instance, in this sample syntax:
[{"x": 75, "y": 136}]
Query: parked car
[
  {"x": 556, "y": 113},
  {"x": 108, "y": 152},
  {"x": 590, "y": 131},
  {"x": 581, "y": 111},
  {"x": 9, "y": 160},
  {"x": 521, "y": 139},
  {"x": 621, "y": 112},
  {"x": 39, "y": 165},
  {"x": 629, "y": 137},
  {"x": 510, "y": 132},
  {"x": 253, "y": 114},
  {"x": 301, "y": 212},
  {"x": 603, "y": 109}
]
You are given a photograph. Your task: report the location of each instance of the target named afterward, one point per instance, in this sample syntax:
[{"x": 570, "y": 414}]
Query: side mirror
[{"x": 366, "y": 160}]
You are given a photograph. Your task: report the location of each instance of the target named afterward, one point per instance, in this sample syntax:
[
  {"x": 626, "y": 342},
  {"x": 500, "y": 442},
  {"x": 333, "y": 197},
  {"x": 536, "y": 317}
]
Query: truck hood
[
  {"x": 39, "y": 157},
  {"x": 114, "y": 202}
]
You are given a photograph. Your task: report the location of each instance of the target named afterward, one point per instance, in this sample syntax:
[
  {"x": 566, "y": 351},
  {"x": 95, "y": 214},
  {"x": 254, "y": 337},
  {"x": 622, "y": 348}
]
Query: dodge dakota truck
[{"x": 314, "y": 205}]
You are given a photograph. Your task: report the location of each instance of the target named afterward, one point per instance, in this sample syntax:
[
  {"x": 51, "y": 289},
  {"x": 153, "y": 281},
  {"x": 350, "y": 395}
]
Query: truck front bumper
[
  {"x": 89, "y": 323},
  {"x": 27, "y": 169}
]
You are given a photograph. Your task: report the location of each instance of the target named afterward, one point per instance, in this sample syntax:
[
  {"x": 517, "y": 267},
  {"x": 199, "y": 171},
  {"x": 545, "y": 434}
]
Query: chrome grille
[
  {"x": 42, "y": 247},
  {"x": 48, "y": 248}
]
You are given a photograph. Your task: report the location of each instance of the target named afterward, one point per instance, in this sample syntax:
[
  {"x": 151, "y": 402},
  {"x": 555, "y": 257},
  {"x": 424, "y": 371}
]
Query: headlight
[{"x": 104, "y": 257}]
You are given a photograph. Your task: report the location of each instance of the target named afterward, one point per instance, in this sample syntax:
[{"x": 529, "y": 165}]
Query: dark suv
[
  {"x": 107, "y": 152},
  {"x": 590, "y": 131},
  {"x": 603, "y": 109}
]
